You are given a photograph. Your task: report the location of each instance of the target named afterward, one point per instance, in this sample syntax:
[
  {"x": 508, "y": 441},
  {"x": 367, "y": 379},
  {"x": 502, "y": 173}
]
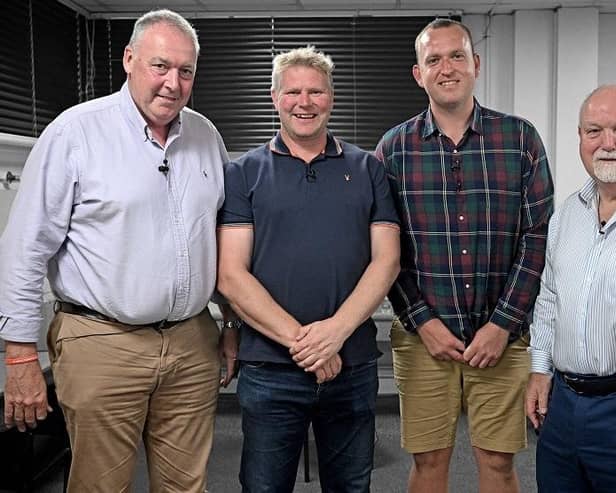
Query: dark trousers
[
  {"x": 576, "y": 451},
  {"x": 279, "y": 402}
]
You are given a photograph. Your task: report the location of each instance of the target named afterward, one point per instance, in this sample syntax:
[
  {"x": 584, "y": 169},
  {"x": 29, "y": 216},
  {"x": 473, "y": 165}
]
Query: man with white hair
[
  {"x": 118, "y": 207},
  {"x": 573, "y": 335}
]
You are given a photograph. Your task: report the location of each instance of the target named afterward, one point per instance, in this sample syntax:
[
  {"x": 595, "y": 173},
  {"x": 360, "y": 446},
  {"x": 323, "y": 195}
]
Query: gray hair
[
  {"x": 603, "y": 87},
  {"x": 163, "y": 16},
  {"x": 440, "y": 23},
  {"x": 305, "y": 57}
]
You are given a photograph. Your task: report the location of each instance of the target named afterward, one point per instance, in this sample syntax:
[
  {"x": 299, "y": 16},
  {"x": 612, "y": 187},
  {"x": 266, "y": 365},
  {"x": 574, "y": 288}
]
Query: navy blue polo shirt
[{"x": 311, "y": 226}]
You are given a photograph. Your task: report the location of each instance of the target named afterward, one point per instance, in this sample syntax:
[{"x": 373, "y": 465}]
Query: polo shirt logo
[{"x": 347, "y": 177}]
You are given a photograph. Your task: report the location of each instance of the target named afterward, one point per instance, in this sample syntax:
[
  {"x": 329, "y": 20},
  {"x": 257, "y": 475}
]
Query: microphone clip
[
  {"x": 601, "y": 226},
  {"x": 311, "y": 175},
  {"x": 164, "y": 168}
]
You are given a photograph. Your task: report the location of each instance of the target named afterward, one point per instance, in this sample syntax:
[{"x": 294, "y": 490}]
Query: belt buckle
[
  {"x": 160, "y": 325},
  {"x": 572, "y": 384}
]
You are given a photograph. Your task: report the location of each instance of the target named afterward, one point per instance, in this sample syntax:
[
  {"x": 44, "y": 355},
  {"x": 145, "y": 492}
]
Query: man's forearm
[
  {"x": 368, "y": 294},
  {"x": 251, "y": 301},
  {"x": 19, "y": 349},
  {"x": 407, "y": 302},
  {"x": 375, "y": 282},
  {"x": 522, "y": 287}
]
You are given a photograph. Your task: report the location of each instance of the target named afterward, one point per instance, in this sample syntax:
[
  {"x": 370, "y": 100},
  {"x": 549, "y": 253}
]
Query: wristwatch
[{"x": 232, "y": 324}]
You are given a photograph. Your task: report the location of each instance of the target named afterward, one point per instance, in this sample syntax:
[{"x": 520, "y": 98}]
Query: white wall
[
  {"x": 541, "y": 65},
  {"x": 607, "y": 48},
  {"x": 577, "y": 71},
  {"x": 533, "y": 87},
  {"x": 14, "y": 150},
  {"x": 492, "y": 37}
]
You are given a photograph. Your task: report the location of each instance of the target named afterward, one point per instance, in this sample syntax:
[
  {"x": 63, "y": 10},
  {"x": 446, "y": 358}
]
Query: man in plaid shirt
[{"x": 474, "y": 194}]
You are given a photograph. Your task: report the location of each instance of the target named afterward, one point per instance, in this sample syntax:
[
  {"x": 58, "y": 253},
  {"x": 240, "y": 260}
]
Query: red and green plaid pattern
[{"x": 474, "y": 220}]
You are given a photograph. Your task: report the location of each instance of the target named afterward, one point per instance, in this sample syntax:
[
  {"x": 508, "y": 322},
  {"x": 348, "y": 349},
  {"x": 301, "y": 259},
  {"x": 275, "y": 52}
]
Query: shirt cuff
[
  {"x": 415, "y": 316},
  {"x": 540, "y": 361},
  {"x": 507, "y": 318},
  {"x": 14, "y": 330}
]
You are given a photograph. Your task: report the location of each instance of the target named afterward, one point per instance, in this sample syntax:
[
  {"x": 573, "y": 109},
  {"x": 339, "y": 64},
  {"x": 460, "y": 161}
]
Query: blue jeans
[
  {"x": 278, "y": 404},
  {"x": 576, "y": 451}
]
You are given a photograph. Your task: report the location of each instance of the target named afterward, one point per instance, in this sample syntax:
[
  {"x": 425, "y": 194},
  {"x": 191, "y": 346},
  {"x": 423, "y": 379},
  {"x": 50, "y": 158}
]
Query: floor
[{"x": 391, "y": 463}]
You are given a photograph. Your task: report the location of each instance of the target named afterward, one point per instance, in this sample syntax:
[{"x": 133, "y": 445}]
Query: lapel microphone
[
  {"x": 311, "y": 174},
  {"x": 164, "y": 168}
]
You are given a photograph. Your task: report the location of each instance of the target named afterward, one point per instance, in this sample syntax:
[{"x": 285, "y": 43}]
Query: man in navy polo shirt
[{"x": 308, "y": 248}]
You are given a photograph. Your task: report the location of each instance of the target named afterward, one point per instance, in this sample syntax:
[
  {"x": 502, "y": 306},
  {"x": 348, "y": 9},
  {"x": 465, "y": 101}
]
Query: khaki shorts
[{"x": 433, "y": 393}]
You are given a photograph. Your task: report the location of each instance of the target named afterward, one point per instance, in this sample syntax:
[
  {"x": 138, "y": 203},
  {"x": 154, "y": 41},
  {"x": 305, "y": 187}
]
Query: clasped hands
[
  {"x": 316, "y": 349},
  {"x": 485, "y": 350}
]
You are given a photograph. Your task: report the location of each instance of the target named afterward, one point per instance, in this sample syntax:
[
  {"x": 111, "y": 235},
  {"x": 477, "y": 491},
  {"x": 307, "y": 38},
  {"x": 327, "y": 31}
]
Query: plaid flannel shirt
[{"x": 474, "y": 221}]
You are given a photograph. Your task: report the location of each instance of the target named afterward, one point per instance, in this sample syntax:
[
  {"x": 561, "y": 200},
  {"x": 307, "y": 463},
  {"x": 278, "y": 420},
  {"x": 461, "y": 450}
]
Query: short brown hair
[{"x": 441, "y": 22}]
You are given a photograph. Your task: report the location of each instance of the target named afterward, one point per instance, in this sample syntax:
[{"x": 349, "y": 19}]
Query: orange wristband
[{"x": 21, "y": 359}]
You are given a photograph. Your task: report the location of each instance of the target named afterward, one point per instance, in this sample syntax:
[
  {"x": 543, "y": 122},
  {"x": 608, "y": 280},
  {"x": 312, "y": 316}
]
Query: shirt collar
[
  {"x": 588, "y": 193},
  {"x": 135, "y": 118},
  {"x": 333, "y": 147},
  {"x": 430, "y": 126}
]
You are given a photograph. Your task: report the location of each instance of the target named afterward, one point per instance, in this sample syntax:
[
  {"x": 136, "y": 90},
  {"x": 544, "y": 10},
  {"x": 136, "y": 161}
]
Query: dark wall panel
[
  {"x": 78, "y": 59},
  {"x": 233, "y": 79},
  {"x": 385, "y": 92},
  {"x": 334, "y": 37},
  {"x": 45, "y": 32},
  {"x": 15, "y": 76},
  {"x": 55, "y": 55}
]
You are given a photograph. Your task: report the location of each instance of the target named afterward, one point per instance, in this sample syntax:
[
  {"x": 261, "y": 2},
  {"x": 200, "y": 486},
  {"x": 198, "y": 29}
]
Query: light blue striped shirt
[
  {"x": 574, "y": 327},
  {"x": 113, "y": 232}
]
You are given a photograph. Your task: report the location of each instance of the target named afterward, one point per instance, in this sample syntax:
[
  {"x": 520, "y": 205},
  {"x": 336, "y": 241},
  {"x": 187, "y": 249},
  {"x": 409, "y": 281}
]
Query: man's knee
[
  {"x": 500, "y": 463},
  {"x": 434, "y": 460}
]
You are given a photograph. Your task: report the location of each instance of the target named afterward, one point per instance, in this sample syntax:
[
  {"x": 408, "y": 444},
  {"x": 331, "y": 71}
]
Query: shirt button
[
  {"x": 461, "y": 217},
  {"x": 455, "y": 151},
  {"x": 467, "y": 286},
  {"x": 464, "y": 251}
]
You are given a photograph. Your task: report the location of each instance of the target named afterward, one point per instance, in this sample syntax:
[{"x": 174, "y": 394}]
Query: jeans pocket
[{"x": 255, "y": 365}]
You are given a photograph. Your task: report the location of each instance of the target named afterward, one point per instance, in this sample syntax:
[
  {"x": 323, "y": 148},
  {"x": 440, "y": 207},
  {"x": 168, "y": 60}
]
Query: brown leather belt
[
  {"x": 590, "y": 385},
  {"x": 83, "y": 311}
]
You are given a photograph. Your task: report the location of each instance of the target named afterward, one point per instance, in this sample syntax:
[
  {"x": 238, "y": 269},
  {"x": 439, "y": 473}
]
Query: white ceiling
[{"x": 219, "y": 8}]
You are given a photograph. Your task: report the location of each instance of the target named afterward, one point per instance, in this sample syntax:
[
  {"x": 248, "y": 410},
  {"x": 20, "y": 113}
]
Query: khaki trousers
[{"x": 117, "y": 384}]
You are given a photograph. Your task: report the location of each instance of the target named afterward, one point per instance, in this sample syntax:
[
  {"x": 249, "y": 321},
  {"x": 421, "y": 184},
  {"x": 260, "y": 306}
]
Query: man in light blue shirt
[
  {"x": 573, "y": 336},
  {"x": 118, "y": 207}
]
